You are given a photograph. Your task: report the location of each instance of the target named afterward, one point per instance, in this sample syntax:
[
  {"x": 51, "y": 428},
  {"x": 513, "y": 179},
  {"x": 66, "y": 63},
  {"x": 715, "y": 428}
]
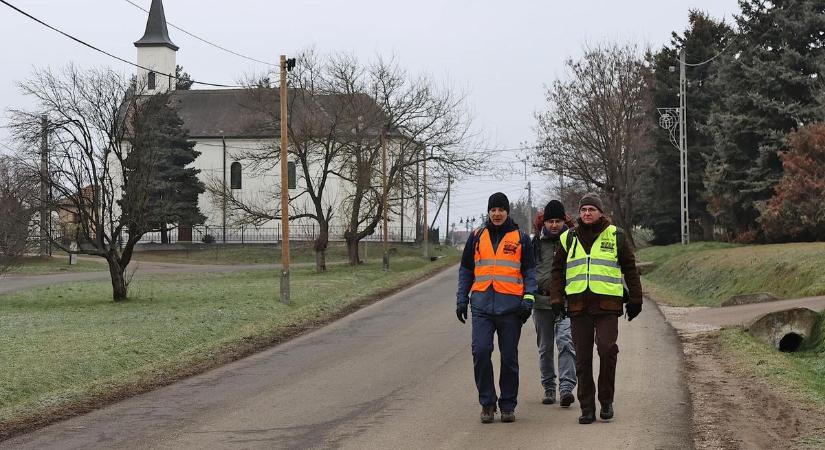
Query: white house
[{"x": 226, "y": 123}]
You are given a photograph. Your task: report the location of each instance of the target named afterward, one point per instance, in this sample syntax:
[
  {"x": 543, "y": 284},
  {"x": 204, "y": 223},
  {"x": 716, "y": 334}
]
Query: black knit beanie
[
  {"x": 554, "y": 210},
  {"x": 498, "y": 200},
  {"x": 592, "y": 200}
]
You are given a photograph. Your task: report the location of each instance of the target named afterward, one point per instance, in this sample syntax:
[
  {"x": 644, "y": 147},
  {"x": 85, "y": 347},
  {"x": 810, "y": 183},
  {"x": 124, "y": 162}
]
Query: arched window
[
  {"x": 291, "y": 179},
  {"x": 151, "y": 80},
  {"x": 235, "y": 175}
]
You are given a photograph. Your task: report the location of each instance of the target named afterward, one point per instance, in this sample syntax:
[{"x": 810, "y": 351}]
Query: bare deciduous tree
[
  {"x": 595, "y": 129},
  {"x": 17, "y": 207},
  {"x": 338, "y": 110},
  {"x": 101, "y": 200}
]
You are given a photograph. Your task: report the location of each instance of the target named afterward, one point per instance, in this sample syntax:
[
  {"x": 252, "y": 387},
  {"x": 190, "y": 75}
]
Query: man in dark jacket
[
  {"x": 497, "y": 277},
  {"x": 552, "y": 326},
  {"x": 588, "y": 268}
]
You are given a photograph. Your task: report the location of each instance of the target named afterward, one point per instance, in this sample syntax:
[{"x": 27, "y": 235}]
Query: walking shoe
[
  {"x": 549, "y": 397},
  {"x": 587, "y": 417},
  {"x": 607, "y": 411},
  {"x": 488, "y": 414},
  {"x": 567, "y": 399},
  {"x": 508, "y": 416}
]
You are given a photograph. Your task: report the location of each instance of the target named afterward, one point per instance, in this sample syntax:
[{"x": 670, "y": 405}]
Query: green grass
[
  {"x": 67, "y": 346},
  {"x": 35, "y": 265},
  {"x": 707, "y": 274},
  {"x": 270, "y": 254}
]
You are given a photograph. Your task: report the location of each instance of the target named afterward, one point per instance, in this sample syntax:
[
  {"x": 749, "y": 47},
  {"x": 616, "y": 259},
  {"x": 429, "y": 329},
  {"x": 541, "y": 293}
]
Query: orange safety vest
[{"x": 500, "y": 268}]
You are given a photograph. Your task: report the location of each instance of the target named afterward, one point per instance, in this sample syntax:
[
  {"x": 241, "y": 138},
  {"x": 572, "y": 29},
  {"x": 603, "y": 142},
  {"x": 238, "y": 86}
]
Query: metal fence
[{"x": 272, "y": 235}]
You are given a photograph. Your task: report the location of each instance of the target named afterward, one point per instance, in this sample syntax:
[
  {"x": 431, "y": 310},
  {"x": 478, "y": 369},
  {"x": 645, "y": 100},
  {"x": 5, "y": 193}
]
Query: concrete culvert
[
  {"x": 784, "y": 330},
  {"x": 790, "y": 343}
]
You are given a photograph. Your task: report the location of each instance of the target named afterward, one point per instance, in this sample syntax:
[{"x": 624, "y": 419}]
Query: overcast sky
[{"x": 500, "y": 53}]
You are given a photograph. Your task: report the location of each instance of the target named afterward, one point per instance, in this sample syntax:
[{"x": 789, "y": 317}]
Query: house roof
[
  {"x": 156, "y": 32},
  {"x": 255, "y": 113}
]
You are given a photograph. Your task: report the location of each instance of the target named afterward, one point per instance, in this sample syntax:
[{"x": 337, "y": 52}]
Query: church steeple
[
  {"x": 156, "y": 31},
  {"x": 156, "y": 54}
]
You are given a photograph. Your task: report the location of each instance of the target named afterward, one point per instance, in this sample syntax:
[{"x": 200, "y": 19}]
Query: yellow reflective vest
[{"x": 599, "y": 271}]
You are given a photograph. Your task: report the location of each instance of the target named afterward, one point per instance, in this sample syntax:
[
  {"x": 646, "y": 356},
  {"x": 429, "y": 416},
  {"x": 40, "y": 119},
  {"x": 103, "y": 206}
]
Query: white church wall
[{"x": 160, "y": 59}]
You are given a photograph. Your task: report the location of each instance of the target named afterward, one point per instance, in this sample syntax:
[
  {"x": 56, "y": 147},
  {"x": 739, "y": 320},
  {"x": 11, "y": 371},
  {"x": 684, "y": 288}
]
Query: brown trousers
[{"x": 605, "y": 329}]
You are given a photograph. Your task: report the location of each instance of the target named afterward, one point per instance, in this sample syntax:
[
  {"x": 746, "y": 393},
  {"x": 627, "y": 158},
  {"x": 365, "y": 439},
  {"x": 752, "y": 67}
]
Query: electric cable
[
  {"x": 107, "y": 53},
  {"x": 204, "y": 40}
]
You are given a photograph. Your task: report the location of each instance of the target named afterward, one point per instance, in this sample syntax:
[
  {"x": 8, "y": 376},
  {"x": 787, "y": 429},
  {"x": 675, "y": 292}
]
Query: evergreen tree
[
  {"x": 659, "y": 211},
  {"x": 159, "y": 141},
  {"x": 769, "y": 83}
]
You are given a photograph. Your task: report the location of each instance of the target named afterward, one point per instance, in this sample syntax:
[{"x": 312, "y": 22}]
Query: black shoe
[
  {"x": 567, "y": 399},
  {"x": 587, "y": 417},
  {"x": 607, "y": 411},
  {"x": 508, "y": 416},
  {"x": 549, "y": 397},
  {"x": 488, "y": 414}
]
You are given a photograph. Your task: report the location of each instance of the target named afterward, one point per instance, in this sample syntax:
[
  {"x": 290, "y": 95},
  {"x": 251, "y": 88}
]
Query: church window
[
  {"x": 151, "y": 80},
  {"x": 235, "y": 175},
  {"x": 291, "y": 176}
]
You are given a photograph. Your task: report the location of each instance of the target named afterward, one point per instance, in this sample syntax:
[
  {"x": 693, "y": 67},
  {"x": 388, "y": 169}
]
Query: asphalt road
[{"x": 397, "y": 374}]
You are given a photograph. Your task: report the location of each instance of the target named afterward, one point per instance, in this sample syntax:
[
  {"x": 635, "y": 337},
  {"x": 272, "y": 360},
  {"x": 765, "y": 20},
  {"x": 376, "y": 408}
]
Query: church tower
[{"x": 156, "y": 51}]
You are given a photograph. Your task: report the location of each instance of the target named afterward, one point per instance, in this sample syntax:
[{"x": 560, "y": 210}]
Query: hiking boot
[
  {"x": 508, "y": 416},
  {"x": 488, "y": 414},
  {"x": 567, "y": 399},
  {"x": 549, "y": 397},
  {"x": 587, "y": 417},
  {"x": 607, "y": 411}
]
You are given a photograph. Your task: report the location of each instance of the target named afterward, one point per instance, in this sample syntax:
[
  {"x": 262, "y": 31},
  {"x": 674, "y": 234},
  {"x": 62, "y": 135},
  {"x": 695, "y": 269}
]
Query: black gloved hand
[
  {"x": 524, "y": 314},
  {"x": 558, "y": 309},
  {"x": 633, "y": 310},
  {"x": 526, "y": 308},
  {"x": 461, "y": 313}
]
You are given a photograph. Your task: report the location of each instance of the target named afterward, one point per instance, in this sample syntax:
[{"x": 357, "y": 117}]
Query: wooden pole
[
  {"x": 284, "y": 188},
  {"x": 384, "y": 201},
  {"x": 424, "y": 222}
]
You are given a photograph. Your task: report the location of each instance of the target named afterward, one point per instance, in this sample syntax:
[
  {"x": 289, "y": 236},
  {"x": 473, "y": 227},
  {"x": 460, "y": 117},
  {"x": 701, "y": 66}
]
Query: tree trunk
[
  {"x": 321, "y": 244},
  {"x": 164, "y": 235},
  {"x": 706, "y": 220},
  {"x": 352, "y": 249},
  {"x": 118, "y": 279}
]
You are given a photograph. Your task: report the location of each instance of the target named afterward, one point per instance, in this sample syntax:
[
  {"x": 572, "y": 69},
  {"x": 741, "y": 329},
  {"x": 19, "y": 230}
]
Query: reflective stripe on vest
[
  {"x": 599, "y": 271},
  {"x": 500, "y": 268}
]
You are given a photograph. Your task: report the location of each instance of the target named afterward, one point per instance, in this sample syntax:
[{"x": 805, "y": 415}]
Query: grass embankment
[
  {"x": 706, "y": 274},
  {"x": 69, "y": 348},
  {"x": 271, "y": 254},
  {"x": 34, "y": 265}
]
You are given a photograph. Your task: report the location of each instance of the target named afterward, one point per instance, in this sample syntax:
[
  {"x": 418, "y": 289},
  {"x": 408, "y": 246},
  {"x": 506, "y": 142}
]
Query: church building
[{"x": 226, "y": 125}]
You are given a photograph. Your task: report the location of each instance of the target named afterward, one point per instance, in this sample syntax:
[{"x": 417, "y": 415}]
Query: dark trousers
[
  {"x": 508, "y": 328},
  {"x": 605, "y": 329}
]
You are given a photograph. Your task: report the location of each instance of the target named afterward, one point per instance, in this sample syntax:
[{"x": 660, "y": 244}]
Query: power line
[
  {"x": 204, "y": 40},
  {"x": 105, "y": 52}
]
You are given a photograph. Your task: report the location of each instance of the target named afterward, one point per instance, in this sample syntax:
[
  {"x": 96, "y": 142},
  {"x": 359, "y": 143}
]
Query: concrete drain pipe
[{"x": 784, "y": 330}]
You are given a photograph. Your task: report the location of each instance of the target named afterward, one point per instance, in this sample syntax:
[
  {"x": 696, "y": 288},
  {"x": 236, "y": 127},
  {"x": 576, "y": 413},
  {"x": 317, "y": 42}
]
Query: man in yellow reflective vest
[
  {"x": 588, "y": 268},
  {"x": 497, "y": 278}
]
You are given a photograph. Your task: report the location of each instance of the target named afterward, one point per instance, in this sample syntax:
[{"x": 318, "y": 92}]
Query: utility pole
[
  {"x": 285, "y": 65},
  {"x": 424, "y": 222},
  {"x": 683, "y": 149},
  {"x": 417, "y": 202},
  {"x": 670, "y": 119},
  {"x": 447, "y": 239},
  {"x": 44, "y": 187},
  {"x": 385, "y": 206},
  {"x": 403, "y": 211},
  {"x": 223, "y": 141}
]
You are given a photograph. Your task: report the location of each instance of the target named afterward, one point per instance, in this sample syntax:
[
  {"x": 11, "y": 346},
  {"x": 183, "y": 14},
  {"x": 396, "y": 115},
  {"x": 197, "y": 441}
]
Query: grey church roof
[
  {"x": 156, "y": 32},
  {"x": 255, "y": 113}
]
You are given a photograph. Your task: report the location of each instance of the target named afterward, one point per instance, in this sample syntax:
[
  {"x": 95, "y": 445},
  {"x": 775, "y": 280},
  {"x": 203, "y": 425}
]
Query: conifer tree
[{"x": 770, "y": 84}]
